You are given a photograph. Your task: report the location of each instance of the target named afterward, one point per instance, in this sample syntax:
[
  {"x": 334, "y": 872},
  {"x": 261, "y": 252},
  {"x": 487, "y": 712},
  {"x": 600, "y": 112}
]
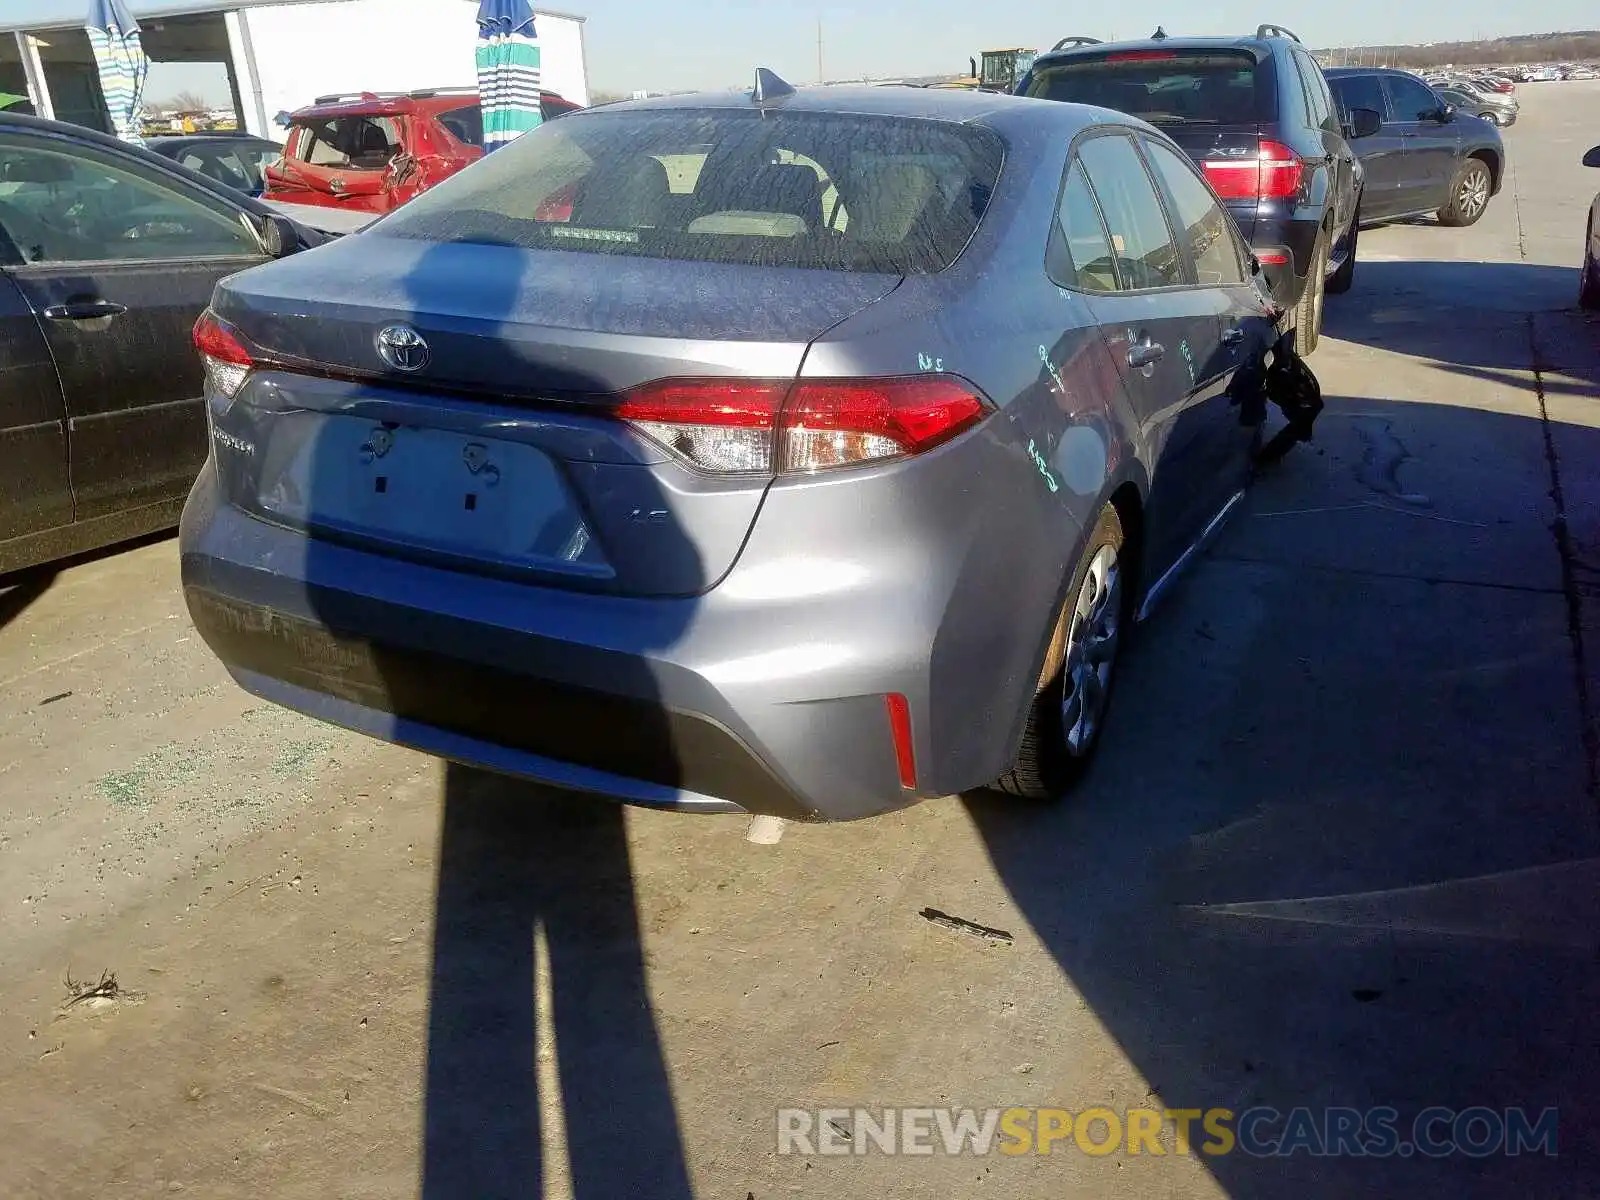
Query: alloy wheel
[
  {"x": 1091, "y": 651},
  {"x": 1473, "y": 194}
]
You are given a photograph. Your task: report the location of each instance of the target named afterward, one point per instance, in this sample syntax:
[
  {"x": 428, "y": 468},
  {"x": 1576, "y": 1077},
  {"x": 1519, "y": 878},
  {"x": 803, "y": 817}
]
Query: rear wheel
[
  {"x": 1589, "y": 278},
  {"x": 1339, "y": 282},
  {"x": 1469, "y": 194},
  {"x": 1308, "y": 313},
  {"x": 1069, "y": 710}
]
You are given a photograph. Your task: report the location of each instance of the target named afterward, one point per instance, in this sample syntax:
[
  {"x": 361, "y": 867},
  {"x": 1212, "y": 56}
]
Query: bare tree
[{"x": 186, "y": 102}]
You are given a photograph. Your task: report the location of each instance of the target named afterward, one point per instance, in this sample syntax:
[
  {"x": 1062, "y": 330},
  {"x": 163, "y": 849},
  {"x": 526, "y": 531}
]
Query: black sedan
[
  {"x": 108, "y": 253},
  {"x": 234, "y": 159}
]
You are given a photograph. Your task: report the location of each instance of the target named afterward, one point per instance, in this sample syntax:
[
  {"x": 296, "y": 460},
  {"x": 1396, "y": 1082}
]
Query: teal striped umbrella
[
  {"x": 114, "y": 38},
  {"x": 508, "y": 71}
]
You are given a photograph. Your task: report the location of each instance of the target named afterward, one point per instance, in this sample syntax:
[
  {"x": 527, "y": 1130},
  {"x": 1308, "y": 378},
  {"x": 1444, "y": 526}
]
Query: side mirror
[
  {"x": 1592, "y": 159},
  {"x": 1364, "y": 122},
  {"x": 279, "y": 237},
  {"x": 1446, "y": 114}
]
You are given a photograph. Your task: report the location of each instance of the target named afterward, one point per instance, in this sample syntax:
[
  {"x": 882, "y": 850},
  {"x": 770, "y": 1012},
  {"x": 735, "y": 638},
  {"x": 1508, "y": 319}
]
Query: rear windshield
[
  {"x": 359, "y": 143},
  {"x": 822, "y": 190},
  {"x": 1162, "y": 87}
]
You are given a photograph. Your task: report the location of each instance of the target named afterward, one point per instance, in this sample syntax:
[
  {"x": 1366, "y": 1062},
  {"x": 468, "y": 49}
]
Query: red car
[{"x": 372, "y": 152}]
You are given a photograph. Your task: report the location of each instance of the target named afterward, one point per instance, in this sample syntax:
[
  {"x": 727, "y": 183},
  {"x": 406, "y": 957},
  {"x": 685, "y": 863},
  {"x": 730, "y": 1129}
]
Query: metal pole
[{"x": 33, "y": 72}]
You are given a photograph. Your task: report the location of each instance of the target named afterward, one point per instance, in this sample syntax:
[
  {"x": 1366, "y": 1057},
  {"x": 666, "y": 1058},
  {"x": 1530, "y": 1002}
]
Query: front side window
[
  {"x": 72, "y": 203},
  {"x": 832, "y": 191},
  {"x": 1141, "y": 241},
  {"x": 1080, "y": 255},
  {"x": 1207, "y": 230}
]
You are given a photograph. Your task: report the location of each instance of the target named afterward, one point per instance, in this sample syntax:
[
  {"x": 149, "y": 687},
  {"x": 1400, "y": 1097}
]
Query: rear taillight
[
  {"x": 226, "y": 359},
  {"x": 716, "y": 424},
  {"x": 1275, "y": 172},
  {"x": 767, "y": 426}
]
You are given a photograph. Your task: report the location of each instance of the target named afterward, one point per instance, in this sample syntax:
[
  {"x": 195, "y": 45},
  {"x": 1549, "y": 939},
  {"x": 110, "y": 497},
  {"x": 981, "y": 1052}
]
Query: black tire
[
  {"x": 1465, "y": 206},
  {"x": 1589, "y": 276},
  {"x": 1308, "y": 313},
  {"x": 1047, "y": 766},
  {"x": 1339, "y": 282}
]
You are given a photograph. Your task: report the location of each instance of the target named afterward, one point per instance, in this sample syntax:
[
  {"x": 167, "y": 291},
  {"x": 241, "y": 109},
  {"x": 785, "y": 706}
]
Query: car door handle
[
  {"x": 84, "y": 310},
  {"x": 1145, "y": 354},
  {"x": 1233, "y": 337}
]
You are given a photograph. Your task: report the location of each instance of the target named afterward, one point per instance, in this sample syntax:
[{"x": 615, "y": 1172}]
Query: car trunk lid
[{"x": 458, "y": 401}]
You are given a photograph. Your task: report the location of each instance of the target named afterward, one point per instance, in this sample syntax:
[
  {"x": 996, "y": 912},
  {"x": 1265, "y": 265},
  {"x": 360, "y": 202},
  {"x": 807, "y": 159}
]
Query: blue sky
[{"x": 718, "y": 43}]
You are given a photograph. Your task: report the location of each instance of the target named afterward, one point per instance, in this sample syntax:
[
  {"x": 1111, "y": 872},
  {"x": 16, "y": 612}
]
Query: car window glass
[
  {"x": 350, "y": 143},
  {"x": 74, "y": 204},
  {"x": 1410, "y": 98},
  {"x": 1206, "y": 229},
  {"x": 1140, "y": 240},
  {"x": 1360, "y": 91},
  {"x": 1316, "y": 88},
  {"x": 224, "y": 166},
  {"x": 1080, "y": 253},
  {"x": 1183, "y": 87},
  {"x": 464, "y": 124},
  {"x": 826, "y": 190},
  {"x": 1306, "y": 107}
]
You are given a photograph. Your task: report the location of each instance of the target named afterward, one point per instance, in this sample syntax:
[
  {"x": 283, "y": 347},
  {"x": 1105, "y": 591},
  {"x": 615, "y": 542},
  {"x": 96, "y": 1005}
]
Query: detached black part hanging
[{"x": 1293, "y": 387}]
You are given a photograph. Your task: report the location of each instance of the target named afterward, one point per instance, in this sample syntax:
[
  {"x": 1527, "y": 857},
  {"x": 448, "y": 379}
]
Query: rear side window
[
  {"x": 1360, "y": 91},
  {"x": 1141, "y": 241},
  {"x": 1162, "y": 87},
  {"x": 1410, "y": 99},
  {"x": 464, "y": 124},
  {"x": 1080, "y": 253},
  {"x": 831, "y": 191},
  {"x": 1316, "y": 89},
  {"x": 1205, "y": 228},
  {"x": 348, "y": 143}
]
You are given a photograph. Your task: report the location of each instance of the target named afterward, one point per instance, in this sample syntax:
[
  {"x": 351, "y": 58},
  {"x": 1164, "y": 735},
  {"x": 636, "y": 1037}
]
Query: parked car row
[{"x": 1302, "y": 157}]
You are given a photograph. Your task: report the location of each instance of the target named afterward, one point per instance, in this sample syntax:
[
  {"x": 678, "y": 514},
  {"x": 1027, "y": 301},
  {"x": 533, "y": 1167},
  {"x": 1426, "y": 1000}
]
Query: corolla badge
[{"x": 402, "y": 348}]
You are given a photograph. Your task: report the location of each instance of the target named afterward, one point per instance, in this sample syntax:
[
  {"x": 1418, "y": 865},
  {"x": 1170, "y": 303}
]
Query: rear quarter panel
[{"x": 1014, "y": 515}]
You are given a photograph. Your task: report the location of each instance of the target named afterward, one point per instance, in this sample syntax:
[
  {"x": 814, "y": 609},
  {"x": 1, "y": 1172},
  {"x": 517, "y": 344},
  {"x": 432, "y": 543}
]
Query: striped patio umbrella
[
  {"x": 114, "y": 38},
  {"x": 508, "y": 71}
]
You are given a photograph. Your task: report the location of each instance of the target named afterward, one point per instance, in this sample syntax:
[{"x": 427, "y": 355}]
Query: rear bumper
[
  {"x": 765, "y": 695},
  {"x": 1291, "y": 236}
]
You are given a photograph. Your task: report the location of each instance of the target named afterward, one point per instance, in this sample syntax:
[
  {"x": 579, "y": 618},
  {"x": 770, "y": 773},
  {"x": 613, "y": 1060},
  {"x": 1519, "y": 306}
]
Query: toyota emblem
[{"x": 402, "y": 348}]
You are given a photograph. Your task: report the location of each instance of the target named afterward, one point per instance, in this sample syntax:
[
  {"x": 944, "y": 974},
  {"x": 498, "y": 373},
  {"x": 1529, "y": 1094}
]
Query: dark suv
[
  {"x": 1427, "y": 157},
  {"x": 1256, "y": 114}
]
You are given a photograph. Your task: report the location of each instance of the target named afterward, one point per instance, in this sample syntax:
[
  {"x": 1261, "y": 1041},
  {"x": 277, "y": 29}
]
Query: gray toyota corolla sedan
[{"x": 806, "y": 453}]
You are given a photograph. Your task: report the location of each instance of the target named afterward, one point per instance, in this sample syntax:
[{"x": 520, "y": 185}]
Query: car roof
[
  {"x": 953, "y": 105},
  {"x": 160, "y": 142},
  {"x": 428, "y": 104},
  {"x": 1259, "y": 47},
  {"x": 1336, "y": 72}
]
